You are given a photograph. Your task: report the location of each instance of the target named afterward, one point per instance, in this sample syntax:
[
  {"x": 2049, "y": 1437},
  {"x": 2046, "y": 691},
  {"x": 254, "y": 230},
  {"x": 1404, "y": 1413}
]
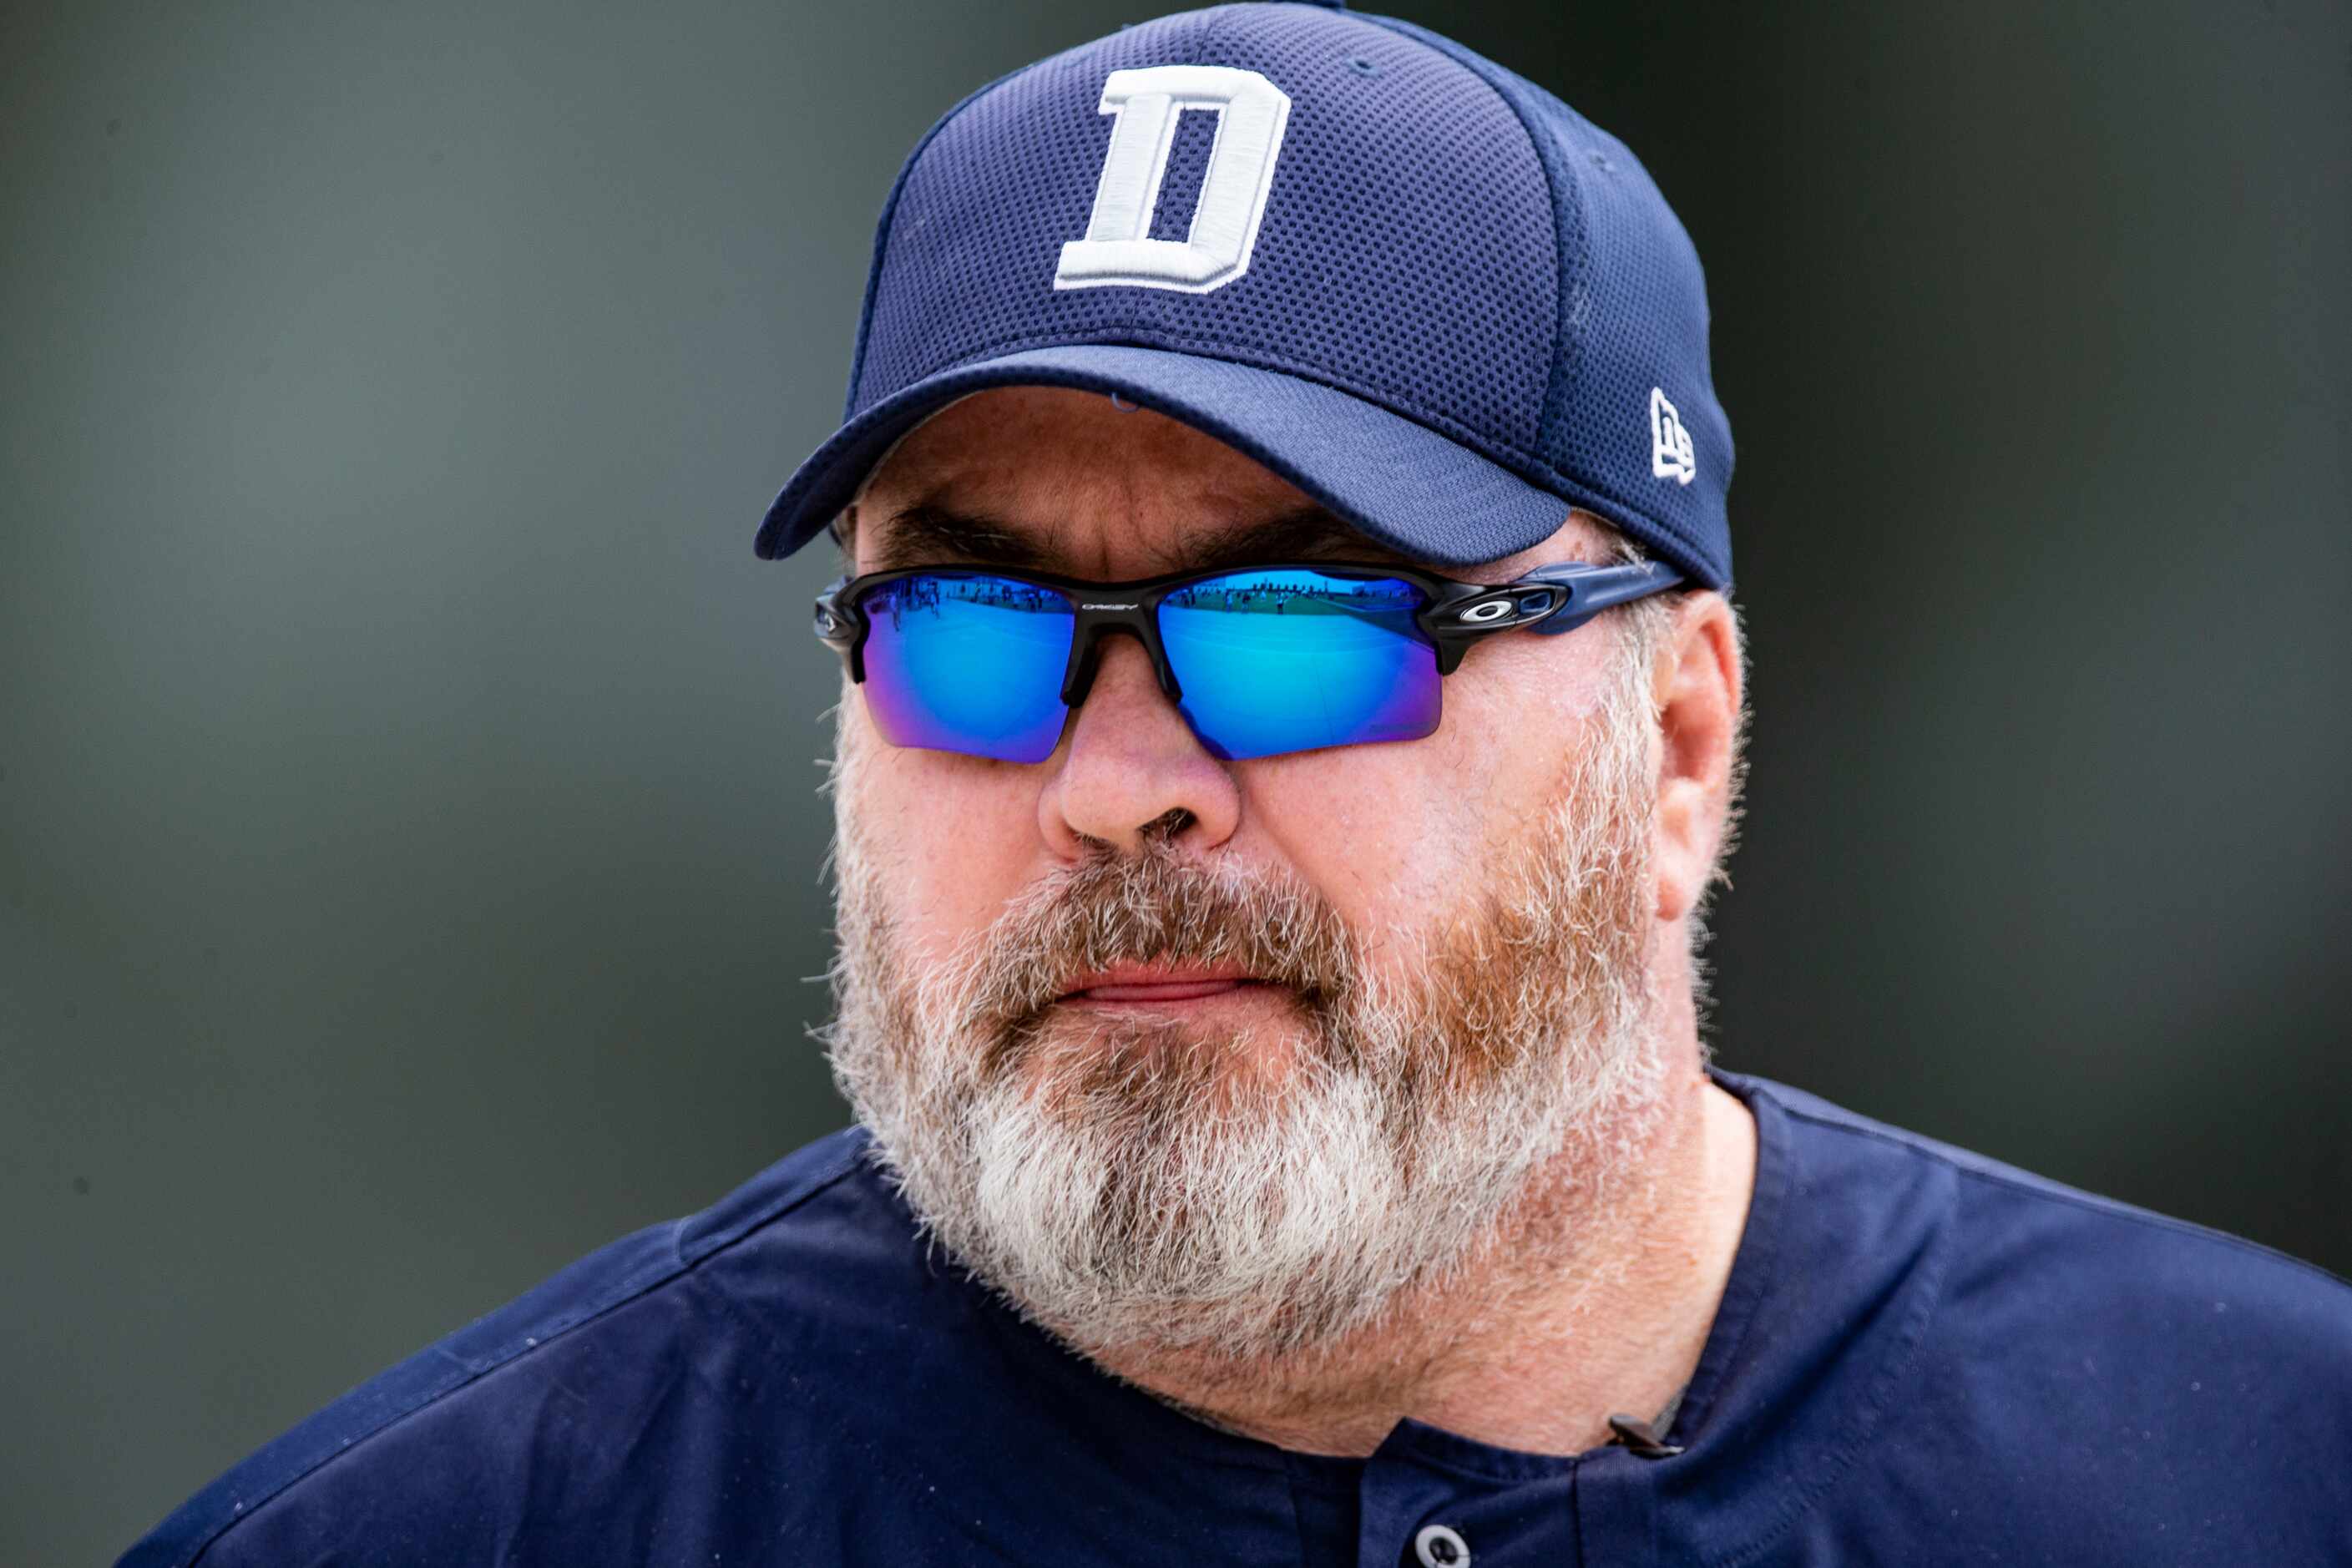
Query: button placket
[
  {"x": 1441, "y": 1546},
  {"x": 1431, "y": 1498}
]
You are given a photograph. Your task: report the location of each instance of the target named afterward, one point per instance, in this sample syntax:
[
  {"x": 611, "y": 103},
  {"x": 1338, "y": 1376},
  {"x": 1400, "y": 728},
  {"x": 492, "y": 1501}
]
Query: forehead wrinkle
[
  {"x": 930, "y": 533},
  {"x": 1310, "y": 532},
  {"x": 927, "y": 534}
]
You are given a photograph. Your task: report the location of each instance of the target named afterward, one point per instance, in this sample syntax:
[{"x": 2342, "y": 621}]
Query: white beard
[{"x": 1155, "y": 1184}]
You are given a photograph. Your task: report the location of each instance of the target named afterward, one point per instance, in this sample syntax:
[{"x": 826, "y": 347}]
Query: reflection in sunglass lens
[
  {"x": 968, "y": 663},
  {"x": 1278, "y": 661}
]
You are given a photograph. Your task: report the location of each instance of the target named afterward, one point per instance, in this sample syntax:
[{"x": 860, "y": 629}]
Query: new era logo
[{"x": 1671, "y": 455}]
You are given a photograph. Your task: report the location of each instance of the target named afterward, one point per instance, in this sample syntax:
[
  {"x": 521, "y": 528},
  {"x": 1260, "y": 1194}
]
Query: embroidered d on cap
[{"x": 1417, "y": 286}]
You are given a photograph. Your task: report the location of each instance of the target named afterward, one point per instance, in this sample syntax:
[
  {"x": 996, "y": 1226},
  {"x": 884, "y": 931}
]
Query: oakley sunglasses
[{"x": 1261, "y": 660}]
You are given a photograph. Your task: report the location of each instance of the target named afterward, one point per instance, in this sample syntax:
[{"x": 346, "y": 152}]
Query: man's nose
[{"x": 1131, "y": 764}]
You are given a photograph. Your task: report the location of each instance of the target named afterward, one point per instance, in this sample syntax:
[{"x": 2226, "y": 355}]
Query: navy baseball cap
[{"x": 1418, "y": 287}]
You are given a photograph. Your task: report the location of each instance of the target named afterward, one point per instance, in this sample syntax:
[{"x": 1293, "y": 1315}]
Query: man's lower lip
[{"x": 1165, "y": 991}]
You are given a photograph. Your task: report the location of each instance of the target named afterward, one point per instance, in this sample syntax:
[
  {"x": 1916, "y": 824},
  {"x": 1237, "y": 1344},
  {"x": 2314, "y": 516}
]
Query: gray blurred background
[{"x": 408, "y": 839}]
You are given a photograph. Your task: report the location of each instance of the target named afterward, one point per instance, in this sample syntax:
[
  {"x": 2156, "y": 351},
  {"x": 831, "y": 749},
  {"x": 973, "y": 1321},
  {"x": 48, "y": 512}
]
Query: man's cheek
[{"x": 942, "y": 912}]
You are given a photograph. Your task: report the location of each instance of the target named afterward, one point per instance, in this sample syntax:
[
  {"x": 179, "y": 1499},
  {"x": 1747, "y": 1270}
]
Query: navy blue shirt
[{"x": 1921, "y": 1356}]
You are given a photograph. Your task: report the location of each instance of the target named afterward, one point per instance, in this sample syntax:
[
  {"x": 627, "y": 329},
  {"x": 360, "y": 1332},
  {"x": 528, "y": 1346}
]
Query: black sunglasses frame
[{"x": 1453, "y": 616}]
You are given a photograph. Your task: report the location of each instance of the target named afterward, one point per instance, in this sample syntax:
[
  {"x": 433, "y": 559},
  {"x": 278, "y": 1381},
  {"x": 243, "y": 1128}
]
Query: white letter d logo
[{"x": 1251, "y": 113}]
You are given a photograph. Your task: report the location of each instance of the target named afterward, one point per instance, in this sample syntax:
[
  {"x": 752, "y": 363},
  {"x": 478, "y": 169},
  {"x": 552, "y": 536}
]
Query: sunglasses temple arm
[
  {"x": 1592, "y": 589},
  {"x": 837, "y": 629}
]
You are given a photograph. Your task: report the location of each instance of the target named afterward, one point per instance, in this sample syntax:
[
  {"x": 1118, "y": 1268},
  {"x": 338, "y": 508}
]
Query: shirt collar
[{"x": 1830, "y": 1288}]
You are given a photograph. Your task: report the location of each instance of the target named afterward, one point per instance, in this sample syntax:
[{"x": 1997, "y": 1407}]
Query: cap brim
[{"x": 1401, "y": 483}]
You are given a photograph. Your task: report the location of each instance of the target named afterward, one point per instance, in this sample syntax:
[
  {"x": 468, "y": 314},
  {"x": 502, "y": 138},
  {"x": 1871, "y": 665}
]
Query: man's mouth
[{"x": 1128, "y": 984}]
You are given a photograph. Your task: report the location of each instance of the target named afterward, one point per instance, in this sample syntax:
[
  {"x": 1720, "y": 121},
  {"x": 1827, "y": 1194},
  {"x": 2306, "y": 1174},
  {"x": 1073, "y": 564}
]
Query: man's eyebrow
[{"x": 926, "y": 534}]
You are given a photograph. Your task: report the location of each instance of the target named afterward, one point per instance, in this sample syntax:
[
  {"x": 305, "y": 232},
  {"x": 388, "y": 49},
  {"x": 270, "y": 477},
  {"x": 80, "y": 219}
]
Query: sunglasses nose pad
[{"x": 1086, "y": 662}]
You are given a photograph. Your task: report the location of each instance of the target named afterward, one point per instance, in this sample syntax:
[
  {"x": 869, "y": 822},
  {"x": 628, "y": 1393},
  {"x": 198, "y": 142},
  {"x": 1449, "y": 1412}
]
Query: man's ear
[{"x": 1695, "y": 689}]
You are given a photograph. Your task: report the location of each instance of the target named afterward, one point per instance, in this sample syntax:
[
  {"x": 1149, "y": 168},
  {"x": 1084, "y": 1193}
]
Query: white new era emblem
[{"x": 1671, "y": 456}]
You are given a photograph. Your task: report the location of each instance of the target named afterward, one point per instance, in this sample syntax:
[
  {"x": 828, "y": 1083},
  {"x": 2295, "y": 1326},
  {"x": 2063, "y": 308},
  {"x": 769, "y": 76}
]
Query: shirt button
[{"x": 1439, "y": 1546}]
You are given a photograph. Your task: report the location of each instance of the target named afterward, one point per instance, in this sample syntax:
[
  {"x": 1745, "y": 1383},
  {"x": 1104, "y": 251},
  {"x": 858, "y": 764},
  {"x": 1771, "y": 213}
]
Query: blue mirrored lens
[
  {"x": 969, "y": 664},
  {"x": 1290, "y": 660}
]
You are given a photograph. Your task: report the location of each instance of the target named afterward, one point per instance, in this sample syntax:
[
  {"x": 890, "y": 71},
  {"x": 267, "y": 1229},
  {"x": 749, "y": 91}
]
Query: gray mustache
[{"x": 1157, "y": 909}]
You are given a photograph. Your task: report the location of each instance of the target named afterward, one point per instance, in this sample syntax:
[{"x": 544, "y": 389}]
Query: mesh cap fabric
[{"x": 1414, "y": 284}]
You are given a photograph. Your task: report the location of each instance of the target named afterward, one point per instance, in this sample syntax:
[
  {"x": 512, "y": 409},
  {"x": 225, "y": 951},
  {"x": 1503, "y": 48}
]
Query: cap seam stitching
[
  {"x": 882, "y": 235},
  {"x": 891, "y": 210},
  {"x": 1407, "y": 30}
]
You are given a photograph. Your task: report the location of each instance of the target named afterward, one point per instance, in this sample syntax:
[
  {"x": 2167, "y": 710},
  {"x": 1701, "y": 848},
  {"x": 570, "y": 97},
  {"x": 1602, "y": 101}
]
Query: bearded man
[{"x": 1290, "y": 727}]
